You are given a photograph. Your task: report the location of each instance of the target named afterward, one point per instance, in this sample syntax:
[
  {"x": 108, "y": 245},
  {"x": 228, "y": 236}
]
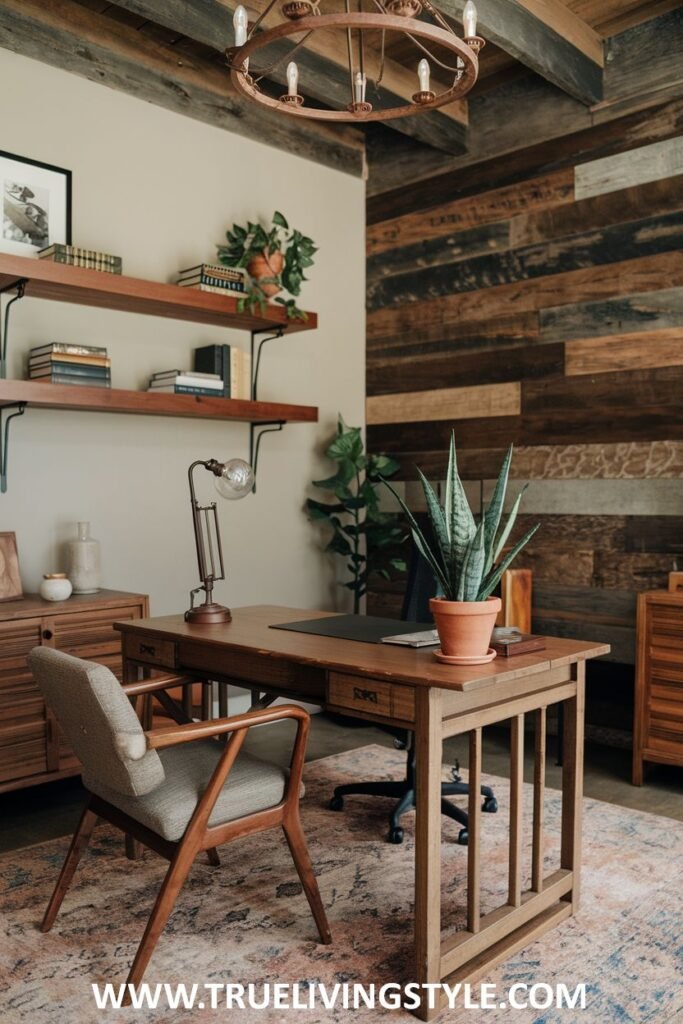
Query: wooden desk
[{"x": 407, "y": 687}]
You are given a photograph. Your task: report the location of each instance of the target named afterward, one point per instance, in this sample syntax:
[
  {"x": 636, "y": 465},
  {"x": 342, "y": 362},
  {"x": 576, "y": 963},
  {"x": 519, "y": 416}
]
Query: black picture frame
[{"x": 29, "y": 223}]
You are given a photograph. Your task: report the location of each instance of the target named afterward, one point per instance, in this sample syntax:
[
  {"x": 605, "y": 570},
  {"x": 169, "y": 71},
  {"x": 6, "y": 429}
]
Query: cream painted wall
[{"x": 159, "y": 190}]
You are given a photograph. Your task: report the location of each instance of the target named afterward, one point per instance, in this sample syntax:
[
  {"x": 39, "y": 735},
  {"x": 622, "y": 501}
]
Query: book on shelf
[
  {"x": 71, "y": 369},
  {"x": 185, "y": 389},
  {"x": 65, "y": 358},
  {"x": 217, "y": 289},
  {"x": 235, "y": 274},
  {"x": 210, "y": 381},
  {"x": 66, "y": 349},
  {"x": 232, "y": 364},
  {"x": 71, "y": 379},
  {"x": 77, "y": 256}
]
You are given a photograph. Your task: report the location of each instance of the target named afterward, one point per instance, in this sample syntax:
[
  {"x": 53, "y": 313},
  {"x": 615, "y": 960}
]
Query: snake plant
[{"x": 465, "y": 556}]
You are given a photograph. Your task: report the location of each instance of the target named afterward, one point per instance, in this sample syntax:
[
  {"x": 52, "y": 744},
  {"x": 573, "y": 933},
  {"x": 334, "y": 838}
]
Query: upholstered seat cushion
[{"x": 252, "y": 785}]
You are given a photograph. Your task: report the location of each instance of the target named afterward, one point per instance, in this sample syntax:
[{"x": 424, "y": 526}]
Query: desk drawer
[
  {"x": 371, "y": 697},
  {"x": 151, "y": 651}
]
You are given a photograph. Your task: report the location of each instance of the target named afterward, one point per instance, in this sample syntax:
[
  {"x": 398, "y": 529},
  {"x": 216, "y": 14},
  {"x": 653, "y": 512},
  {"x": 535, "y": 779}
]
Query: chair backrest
[
  {"x": 420, "y": 587},
  {"x": 93, "y": 711}
]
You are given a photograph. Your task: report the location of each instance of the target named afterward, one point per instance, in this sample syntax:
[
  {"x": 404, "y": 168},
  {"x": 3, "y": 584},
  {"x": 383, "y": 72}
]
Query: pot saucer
[{"x": 453, "y": 659}]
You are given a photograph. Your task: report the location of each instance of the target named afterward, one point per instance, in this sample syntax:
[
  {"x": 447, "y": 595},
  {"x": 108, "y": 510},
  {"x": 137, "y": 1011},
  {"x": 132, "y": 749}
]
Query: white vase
[
  {"x": 55, "y": 587},
  {"x": 83, "y": 562}
]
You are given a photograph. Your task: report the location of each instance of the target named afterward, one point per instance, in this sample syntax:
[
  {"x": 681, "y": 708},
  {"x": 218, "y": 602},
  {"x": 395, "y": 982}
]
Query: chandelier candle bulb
[
  {"x": 469, "y": 20},
  {"x": 240, "y": 23},
  {"x": 423, "y": 75},
  {"x": 292, "y": 79},
  {"x": 359, "y": 87}
]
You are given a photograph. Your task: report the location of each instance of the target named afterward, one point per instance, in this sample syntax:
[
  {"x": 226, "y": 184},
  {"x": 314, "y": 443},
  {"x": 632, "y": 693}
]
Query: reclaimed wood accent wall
[{"x": 546, "y": 310}]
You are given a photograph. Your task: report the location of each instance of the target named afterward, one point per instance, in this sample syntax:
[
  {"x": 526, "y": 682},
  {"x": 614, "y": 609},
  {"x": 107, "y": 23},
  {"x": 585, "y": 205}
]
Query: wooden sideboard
[
  {"x": 658, "y": 723},
  {"x": 32, "y": 749}
]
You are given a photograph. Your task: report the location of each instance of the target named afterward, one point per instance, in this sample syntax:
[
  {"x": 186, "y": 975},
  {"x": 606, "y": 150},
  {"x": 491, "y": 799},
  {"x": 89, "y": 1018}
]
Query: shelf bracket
[
  {"x": 256, "y": 348},
  {"x": 20, "y": 286},
  {"x": 256, "y": 432},
  {"x": 5, "y": 420}
]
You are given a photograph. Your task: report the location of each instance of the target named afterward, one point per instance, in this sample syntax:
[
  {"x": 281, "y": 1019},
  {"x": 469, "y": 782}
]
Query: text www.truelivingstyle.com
[{"x": 343, "y": 995}]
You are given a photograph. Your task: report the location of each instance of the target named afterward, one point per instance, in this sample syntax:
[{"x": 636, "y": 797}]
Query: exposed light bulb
[
  {"x": 359, "y": 84},
  {"x": 292, "y": 78},
  {"x": 423, "y": 75},
  {"x": 469, "y": 20},
  {"x": 240, "y": 22},
  {"x": 236, "y": 479}
]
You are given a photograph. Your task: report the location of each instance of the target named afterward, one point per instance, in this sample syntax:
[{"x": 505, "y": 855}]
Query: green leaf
[
  {"x": 280, "y": 220},
  {"x": 319, "y": 510},
  {"x": 495, "y": 510},
  {"x": 437, "y": 520},
  {"x": 507, "y": 530},
  {"x": 473, "y": 566},
  {"x": 493, "y": 579},
  {"x": 459, "y": 519},
  {"x": 421, "y": 543}
]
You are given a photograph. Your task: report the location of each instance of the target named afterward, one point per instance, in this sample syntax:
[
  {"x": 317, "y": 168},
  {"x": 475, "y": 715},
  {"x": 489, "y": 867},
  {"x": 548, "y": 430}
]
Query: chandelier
[{"x": 435, "y": 43}]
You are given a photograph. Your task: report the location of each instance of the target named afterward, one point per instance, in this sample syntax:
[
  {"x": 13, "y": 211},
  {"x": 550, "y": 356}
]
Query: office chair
[{"x": 420, "y": 587}]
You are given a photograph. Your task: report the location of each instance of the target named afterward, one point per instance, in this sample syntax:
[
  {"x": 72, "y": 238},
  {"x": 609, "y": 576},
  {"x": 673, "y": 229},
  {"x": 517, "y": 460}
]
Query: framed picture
[
  {"x": 36, "y": 205},
  {"x": 10, "y": 580}
]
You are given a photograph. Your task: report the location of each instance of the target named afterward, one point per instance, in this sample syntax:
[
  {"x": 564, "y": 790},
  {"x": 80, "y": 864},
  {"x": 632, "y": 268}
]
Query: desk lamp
[{"x": 234, "y": 479}]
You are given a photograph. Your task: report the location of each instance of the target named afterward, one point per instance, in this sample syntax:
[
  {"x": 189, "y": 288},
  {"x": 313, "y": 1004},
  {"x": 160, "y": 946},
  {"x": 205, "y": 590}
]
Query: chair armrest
[
  {"x": 159, "y": 683},
  {"x": 171, "y": 735}
]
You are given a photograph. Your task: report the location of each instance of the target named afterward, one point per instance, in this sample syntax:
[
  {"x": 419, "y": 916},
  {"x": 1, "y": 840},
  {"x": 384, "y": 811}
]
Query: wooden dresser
[
  {"x": 32, "y": 749},
  {"x": 658, "y": 723}
]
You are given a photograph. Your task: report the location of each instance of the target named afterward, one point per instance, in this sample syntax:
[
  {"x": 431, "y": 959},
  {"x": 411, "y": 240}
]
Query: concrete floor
[{"x": 33, "y": 815}]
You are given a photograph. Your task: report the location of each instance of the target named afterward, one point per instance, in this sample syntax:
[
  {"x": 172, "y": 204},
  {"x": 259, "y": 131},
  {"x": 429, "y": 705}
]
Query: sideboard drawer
[
  {"x": 369, "y": 696},
  {"x": 151, "y": 651}
]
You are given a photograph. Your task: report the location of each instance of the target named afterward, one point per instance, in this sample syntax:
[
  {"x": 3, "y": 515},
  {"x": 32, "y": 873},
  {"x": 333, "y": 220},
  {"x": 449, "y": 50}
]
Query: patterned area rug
[{"x": 247, "y": 921}]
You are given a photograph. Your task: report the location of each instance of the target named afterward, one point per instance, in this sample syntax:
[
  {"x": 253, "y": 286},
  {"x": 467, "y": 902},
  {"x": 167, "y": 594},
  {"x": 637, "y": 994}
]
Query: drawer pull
[
  {"x": 47, "y": 634},
  {"x": 368, "y": 695},
  {"x": 148, "y": 649}
]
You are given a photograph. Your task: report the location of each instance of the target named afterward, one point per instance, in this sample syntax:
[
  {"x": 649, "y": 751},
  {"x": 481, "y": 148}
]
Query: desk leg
[
  {"x": 572, "y": 786},
  {"x": 428, "y": 759}
]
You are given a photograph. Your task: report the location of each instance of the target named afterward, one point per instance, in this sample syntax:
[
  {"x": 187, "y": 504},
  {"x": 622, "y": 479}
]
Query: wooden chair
[{"x": 176, "y": 790}]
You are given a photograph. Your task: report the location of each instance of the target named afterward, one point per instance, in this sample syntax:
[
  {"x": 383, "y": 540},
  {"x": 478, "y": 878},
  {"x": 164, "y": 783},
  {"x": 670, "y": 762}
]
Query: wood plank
[
  {"x": 654, "y": 533},
  {"x": 545, "y": 36},
  {"x": 434, "y": 435},
  {"x": 474, "y": 833},
  {"x": 622, "y": 640},
  {"x": 516, "y": 330},
  {"x": 627, "y": 461},
  {"x": 537, "y": 844},
  {"x": 633, "y": 570},
  {"x": 435, "y": 252},
  {"x": 610, "y": 425},
  {"x": 641, "y": 351},
  {"x": 644, "y": 311},
  {"x": 585, "y": 604},
  {"x": 650, "y": 52},
  {"x": 622, "y": 170},
  {"x": 66, "y": 35},
  {"x": 572, "y": 566},
  {"x": 428, "y": 751},
  {"x": 435, "y": 370},
  {"x": 604, "y": 393},
  {"x": 445, "y": 404},
  {"x": 636, "y": 239},
  {"x": 575, "y": 531},
  {"x": 88, "y": 399},
  {"x": 589, "y": 284},
  {"x": 516, "y": 807},
  {"x": 614, "y": 207},
  {"x": 540, "y": 193},
  {"x": 572, "y": 786},
  {"x": 322, "y": 62}
]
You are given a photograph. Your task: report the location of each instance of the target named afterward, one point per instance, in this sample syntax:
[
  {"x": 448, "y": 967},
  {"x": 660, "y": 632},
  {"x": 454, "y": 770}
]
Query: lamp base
[{"x": 208, "y": 614}]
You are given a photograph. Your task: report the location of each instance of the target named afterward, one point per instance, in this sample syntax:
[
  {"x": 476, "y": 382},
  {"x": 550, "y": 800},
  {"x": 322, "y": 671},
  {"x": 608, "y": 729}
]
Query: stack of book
[
  {"x": 60, "y": 363},
  {"x": 187, "y": 382},
  {"x": 214, "y": 277},
  {"x": 75, "y": 256},
  {"x": 231, "y": 364}
]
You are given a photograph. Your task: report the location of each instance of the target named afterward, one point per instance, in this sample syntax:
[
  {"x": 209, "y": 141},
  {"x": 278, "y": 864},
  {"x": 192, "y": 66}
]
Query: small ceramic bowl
[{"x": 55, "y": 587}]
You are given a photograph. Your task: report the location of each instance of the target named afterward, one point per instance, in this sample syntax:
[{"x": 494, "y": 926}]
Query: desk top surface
[{"x": 249, "y": 632}]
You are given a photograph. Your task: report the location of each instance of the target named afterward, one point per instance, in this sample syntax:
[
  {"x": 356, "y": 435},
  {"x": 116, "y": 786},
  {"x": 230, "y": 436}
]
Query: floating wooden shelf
[
  {"x": 146, "y": 403},
  {"x": 61, "y": 283}
]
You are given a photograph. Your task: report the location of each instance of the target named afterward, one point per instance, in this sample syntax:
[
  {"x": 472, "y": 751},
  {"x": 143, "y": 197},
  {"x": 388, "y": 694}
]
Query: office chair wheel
[
  {"x": 396, "y": 836},
  {"x": 490, "y": 805},
  {"x": 337, "y": 803},
  {"x": 463, "y": 837}
]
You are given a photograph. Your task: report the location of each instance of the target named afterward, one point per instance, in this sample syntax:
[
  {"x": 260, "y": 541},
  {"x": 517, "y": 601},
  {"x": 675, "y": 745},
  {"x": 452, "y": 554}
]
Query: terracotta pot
[
  {"x": 465, "y": 627},
  {"x": 268, "y": 264}
]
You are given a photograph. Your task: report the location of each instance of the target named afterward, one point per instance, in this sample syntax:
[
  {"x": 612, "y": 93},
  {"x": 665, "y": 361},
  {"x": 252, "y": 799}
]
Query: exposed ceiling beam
[
  {"x": 323, "y": 66},
  {"x": 545, "y": 36},
  {"x": 69, "y": 36}
]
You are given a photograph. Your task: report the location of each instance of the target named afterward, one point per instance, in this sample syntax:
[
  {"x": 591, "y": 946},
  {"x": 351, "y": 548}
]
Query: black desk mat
[{"x": 367, "y": 629}]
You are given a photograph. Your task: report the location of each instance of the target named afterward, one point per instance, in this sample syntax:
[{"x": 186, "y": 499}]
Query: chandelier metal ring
[{"x": 362, "y": 22}]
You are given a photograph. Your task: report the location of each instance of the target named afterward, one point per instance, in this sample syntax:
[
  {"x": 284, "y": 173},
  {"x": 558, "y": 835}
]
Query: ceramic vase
[
  {"x": 55, "y": 587},
  {"x": 83, "y": 560}
]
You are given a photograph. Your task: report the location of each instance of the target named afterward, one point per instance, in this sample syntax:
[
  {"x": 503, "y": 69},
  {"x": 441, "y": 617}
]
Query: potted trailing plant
[
  {"x": 354, "y": 514},
  {"x": 467, "y": 560},
  {"x": 275, "y": 259}
]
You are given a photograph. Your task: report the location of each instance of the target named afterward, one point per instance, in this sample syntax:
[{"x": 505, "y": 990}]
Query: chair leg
[
  {"x": 213, "y": 858},
  {"x": 79, "y": 842},
  {"x": 165, "y": 901},
  {"x": 296, "y": 841}
]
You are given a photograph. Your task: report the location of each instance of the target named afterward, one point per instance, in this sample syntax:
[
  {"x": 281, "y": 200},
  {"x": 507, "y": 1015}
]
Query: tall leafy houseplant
[
  {"x": 275, "y": 257},
  {"x": 467, "y": 559},
  {"x": 354, "y": 514}
]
